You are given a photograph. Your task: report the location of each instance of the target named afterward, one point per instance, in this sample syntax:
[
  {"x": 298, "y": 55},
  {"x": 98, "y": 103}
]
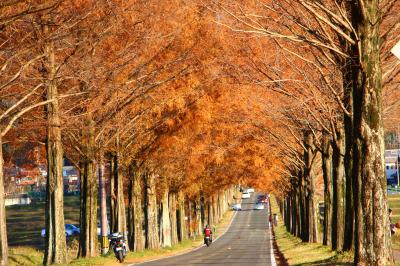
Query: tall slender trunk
[
  {"x": 173, "y": 218},
  {"x": 202, "y": 211},
  {"x": 3, "y": 224},
  {"x": 288, "y": 216},
  {"x": 55, "y": 244},
  {"x": 199, "y": 229},
  {"x": 372, "y": 237},
  {"x": 348, "y": 128},
  {"x": 190, "y": 219},
  {"x": 297, "y": 220},
  {"x": 88, "y": 214},
  {"x": 165, "y": 220},
  {"x": 338, "y": 196},
  {"x": 215, "y": 209},
  {"x": 303, "y": 230},
  {"x": 135, "y": 209},
  {"x": 311, "y": 234},
  {"x": 152, "y": 239},
  {"x": 327, "y": 174},
  {"x": 182, "y": 233},
  {"x": 210, "y": 216},
  {"x": 113, "y": 197}
]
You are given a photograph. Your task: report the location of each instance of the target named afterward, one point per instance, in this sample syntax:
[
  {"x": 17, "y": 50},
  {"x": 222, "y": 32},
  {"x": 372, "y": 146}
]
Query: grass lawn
[
  {"x": 24, "y": 223},
  {"x": 32, "y": 256},
  {"x": 298, "y": 253},
  {"x": 394, "y": 204}
]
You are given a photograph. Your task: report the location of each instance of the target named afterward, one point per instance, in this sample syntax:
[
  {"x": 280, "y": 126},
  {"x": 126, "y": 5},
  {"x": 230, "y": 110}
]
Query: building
[{"x": 391, "y": 166}]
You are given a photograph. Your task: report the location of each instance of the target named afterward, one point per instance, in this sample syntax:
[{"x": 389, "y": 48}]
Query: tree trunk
[
  {"x": 302, "y": 209},
  {"x": 152, "y": 239},
  {"x": 372, "y": 235},
  {"x": 165, "y": 220},
  {"x": 349, "y": 205},
  {"x": 190, "y": 220},
  {"x": 55, "y": 244},
  {"x": 182, "y": 233},
  {"x": 215, "y": 209},
  {"x": 135, "y": 209},
  {"x": 113, "y": 197},
  {"x": 288, "y": 216},
  {"x": 297, "y": 220},
  {"x": 3, "y": 224},
  {"x": 210, "y": 216},
  {"x": 311, "y": 234},
  {"x": 202, "y": 212},
  {"x": 327, "y": 174},
  {"x": 199, "y": 226},
  {"x": 88, "y": 214},
  {"x": 173, "y": 218},
  {"x": 338, "y": 195}
]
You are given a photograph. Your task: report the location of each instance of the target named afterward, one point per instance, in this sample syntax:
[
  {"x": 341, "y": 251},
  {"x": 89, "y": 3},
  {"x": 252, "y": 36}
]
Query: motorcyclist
[{"x": 207, "y": 232}]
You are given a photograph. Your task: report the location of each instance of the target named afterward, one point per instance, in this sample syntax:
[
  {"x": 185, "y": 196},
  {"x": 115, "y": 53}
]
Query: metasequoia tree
[{"x": 18, "y": 96}]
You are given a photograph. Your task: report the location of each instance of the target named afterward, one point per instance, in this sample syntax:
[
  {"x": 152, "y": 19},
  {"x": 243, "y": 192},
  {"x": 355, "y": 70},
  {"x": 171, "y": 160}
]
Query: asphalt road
[{"x": 247, "y": 242}]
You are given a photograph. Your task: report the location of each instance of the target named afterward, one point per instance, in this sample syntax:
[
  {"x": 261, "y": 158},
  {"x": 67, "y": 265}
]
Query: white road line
[
  {"x": 273, "y": 262},
  {"x": 189, "y": 251}
]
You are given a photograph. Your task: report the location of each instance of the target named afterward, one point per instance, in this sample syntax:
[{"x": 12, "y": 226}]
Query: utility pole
[
  {"x": 103, "y": 208},
  {"x": 396, "y": 51}
]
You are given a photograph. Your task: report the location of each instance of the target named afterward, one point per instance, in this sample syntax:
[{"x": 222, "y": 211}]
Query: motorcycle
[
  {"x": 207, "y": 240},
  {"x": 118, "y": 246}
]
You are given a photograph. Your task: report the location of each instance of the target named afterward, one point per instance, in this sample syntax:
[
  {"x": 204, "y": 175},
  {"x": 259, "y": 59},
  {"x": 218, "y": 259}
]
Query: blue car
[{"x": 70, "y": 230}]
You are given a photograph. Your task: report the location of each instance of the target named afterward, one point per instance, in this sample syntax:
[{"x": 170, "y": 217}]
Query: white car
[
  {"x": 259, "y": 206},
  {"x": 245, "y": 195},
  {"x": 250, "y": 190},
  {"x": 237, "y": 207}
]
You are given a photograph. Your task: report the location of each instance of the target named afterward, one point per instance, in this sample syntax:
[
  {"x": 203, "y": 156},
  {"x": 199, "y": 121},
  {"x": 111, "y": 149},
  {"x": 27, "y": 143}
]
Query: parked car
[
  {"x": 70, "y": 230},
  {"x": 245, "y": 195},
  {"x": 259, "y": 206},
  {"x": 237, "y": 207}
]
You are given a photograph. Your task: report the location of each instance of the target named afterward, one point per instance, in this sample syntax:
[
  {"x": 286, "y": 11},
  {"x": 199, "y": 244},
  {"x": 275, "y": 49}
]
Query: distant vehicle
[
  {"x": 237, "y": 207},
  {"x": 250, "y": 190},
  {"x": 262, "y": 199},
  {"x": 70, "y": 230},
  {"x": 245, "y": 195},
  {"x": 259, "y": 206}
]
